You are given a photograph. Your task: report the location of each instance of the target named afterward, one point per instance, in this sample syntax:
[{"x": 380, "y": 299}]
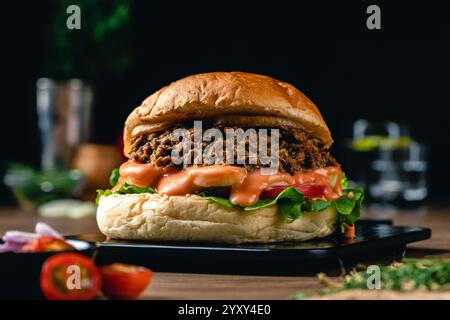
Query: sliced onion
[
  {"x": 10, "y": 247},
  {"x": 44, "y": 230},
  {"x": 19, "y": 236},
  {"x": 14, "y": 240}
]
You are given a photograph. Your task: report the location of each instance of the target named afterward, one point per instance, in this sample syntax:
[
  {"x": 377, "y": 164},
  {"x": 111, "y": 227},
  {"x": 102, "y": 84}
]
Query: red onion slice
[
  {"x": 19, "y": 236},
  {"x": 44, "y": 230},
  {"x": 14, "y": 240},
  {"x": 10, "y": 247}
]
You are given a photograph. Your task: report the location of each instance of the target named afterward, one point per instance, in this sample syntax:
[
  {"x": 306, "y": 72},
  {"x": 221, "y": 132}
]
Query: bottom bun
[{"x": 192, "y": 218}]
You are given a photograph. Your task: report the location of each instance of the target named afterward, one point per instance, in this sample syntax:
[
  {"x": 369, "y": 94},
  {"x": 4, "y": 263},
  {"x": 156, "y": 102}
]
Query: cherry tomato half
[
  {"x": 309, "y": 190},
  {"x": 46, "y": 244},
  {"x": 122, "y": 281},
  {"x": 70, "y": 276}
]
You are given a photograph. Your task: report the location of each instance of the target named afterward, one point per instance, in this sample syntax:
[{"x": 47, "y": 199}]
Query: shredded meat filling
[{"x": 298, "y": 151}]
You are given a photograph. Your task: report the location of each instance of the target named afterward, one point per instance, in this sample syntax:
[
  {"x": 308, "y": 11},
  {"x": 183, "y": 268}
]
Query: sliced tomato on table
[
  {"x": 123, "y": 281},
  {"x": 46, "y": 244},
  {"x": 309, "y": 190},
  {"x": 70, "y": 276}
]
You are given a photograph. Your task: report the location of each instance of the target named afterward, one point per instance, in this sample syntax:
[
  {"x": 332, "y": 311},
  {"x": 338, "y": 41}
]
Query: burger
[{"x": 202, "y": 166}]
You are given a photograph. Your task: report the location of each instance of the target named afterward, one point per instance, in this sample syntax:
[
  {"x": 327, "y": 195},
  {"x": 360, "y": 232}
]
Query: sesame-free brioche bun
[
  {"x": 157, "y": 217},
  {"x": 247, "y": 98}
]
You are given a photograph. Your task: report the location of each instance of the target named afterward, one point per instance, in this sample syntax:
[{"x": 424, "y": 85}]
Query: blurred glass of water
[
  {"x": 415, "y": 168},
  {"x": 401, "y": 174}
]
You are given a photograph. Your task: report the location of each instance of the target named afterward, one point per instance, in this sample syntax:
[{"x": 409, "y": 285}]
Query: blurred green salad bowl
[{"x": 33, "y": 188}]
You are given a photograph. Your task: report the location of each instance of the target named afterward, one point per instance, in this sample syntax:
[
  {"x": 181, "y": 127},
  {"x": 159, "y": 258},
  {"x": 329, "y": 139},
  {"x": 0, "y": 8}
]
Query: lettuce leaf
[
  {"x": 114, "y": 177},
  {"x": 353, "y": 199},
  {"x": 125, "y": 188},
  {"x": 289, "y": 202},
  {"x": 344, "y": 205},
  {"x": 316, "y": 205},
  {"x": 101, "y": 193},
  {"x": 290, "y": 210},
  {"x": 223, "y": 202},
  {"x": 344, "y": 182}
]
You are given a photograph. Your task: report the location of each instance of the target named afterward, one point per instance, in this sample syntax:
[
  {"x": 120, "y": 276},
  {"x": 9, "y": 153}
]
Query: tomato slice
[
  {"x": 46, "y": 244},
  {"x": 70, "y": 276},
  {"x": 309, "y": 190},
  {"x": 122, "y": 281}
]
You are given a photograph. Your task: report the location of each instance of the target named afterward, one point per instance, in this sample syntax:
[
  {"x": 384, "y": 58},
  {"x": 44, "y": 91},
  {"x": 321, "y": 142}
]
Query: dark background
[{"x": 400, "y": 72}]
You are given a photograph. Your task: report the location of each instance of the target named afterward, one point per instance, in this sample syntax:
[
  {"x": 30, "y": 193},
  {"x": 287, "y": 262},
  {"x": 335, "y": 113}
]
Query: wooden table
[{"x": 209, "y": 286}]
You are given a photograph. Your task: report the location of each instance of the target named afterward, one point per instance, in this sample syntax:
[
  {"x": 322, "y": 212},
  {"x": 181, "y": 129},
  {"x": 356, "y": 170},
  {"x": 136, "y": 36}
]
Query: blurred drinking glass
[
  {"x": 388, "y": 163},
  {"x": 64, "y": 111},
  {"x": 415, "y": 168},
  {"x": 401, "y": 175},
  {"x": 368, "y": 138}
]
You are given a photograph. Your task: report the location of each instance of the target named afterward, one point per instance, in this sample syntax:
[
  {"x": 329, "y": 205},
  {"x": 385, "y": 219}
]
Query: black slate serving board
[{"x": 374, "y": 240}]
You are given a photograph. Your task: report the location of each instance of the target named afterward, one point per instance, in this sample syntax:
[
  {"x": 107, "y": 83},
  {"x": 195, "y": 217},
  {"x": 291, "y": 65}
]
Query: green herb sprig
[{"x": 431, "y": 273}]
